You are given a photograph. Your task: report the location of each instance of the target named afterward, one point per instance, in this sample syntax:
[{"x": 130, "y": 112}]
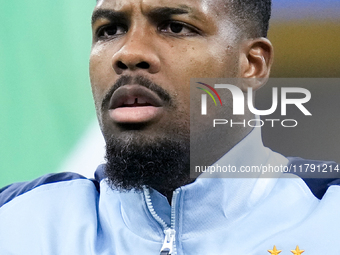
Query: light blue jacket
[{"x": 65, "y": 214}]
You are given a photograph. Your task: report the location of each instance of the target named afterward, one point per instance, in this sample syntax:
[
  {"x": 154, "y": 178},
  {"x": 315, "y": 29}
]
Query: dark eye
[
  {"x": 109, "y": 31},
  {"x": 178, "y": 28}
]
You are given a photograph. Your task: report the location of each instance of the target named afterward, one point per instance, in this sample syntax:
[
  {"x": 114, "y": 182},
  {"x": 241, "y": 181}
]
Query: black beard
[{"x": 161, "y": 163}]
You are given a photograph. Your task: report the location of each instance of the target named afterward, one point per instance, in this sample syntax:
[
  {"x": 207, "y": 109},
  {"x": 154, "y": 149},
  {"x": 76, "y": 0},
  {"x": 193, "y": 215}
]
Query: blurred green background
[
  {"x": 46, "y": 102},
  {"x": 45, "y": 96}
]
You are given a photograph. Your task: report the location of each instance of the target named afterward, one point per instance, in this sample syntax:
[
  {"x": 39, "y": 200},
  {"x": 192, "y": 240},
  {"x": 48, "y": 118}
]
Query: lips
[{"x": 135, "y": 104}]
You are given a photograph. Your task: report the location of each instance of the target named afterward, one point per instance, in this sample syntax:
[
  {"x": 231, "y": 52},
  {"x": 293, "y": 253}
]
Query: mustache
[{"x": 139, "y": 80}]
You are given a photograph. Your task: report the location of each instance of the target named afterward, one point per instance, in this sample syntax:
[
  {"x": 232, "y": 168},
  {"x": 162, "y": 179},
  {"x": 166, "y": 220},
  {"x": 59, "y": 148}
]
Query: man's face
[
  {"x": 144, "y": 53},
  {"x": 165, "y": 41}
]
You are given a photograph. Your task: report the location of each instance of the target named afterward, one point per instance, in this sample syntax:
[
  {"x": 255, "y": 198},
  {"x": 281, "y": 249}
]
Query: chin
[{"x": 134, "y": 161}]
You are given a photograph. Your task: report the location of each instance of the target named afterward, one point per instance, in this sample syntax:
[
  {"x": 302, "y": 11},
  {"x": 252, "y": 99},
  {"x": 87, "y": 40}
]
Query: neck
[{"x": 206, "y": 150}]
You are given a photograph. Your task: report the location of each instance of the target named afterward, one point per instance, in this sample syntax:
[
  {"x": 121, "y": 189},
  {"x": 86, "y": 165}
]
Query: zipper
[
  {"x": 169, "y": 244},
  {"x": 173, "y": 220}
]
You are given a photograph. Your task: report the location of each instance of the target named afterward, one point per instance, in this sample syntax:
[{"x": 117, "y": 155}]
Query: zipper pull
[{"x": 169, "y": 240}]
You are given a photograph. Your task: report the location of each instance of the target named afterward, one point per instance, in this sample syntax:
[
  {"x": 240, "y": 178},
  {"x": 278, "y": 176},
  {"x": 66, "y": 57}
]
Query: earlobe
[{"x": 257, "y": 61}]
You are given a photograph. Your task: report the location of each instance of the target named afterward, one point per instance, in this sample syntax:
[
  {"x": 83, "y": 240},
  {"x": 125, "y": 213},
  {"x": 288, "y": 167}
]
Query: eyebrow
[
  {"x": 108, "y": 14},
  {"x": 156, "y": 13},
  {"x": 167, "y": 12}
]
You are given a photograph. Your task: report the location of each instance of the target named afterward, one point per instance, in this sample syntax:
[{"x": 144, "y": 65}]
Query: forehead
[{"x": 198, "y": 8}]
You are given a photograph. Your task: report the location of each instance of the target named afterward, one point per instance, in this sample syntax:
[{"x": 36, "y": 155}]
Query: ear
[{"x": 256, "y": 60}]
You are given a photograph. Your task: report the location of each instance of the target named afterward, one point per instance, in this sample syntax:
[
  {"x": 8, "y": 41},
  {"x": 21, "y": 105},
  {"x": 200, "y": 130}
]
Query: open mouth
[
  {"x": 135, "y": 104},
  {"x": 133, "y": 101}
]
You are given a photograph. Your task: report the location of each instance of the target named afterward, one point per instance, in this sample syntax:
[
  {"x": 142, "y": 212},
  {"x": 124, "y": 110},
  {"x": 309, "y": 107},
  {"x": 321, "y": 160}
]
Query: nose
[{"x": 137, "y": 53}]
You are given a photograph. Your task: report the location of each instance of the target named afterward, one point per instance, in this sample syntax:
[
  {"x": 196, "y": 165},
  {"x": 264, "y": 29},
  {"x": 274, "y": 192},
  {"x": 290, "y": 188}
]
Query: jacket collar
[{"x": 210, "y": 201}]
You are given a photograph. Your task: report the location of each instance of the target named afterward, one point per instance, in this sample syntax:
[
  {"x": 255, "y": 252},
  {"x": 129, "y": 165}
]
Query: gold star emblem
[
  {"x": 297, "y": 251},
  {"x": 274, "y": 251}
]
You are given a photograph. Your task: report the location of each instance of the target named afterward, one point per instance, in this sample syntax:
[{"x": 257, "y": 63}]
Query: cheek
[
  {"x": 198, "y": 61},
  {"x": 205, "y": 61},
  {"x": 100, "y": 71},
  {"x": 183, "y": 64},
  {"x": 97, "y": 90},
  {"x": 99, "y": 63}
]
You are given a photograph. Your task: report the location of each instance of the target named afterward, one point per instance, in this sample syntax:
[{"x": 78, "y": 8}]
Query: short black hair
[{"x": 251, "y": 16}]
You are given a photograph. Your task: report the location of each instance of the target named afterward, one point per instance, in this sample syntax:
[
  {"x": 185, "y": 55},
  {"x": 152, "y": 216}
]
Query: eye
[
  {"x": 110, "y": 31},
  {"x": 177, "y": 28}
]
